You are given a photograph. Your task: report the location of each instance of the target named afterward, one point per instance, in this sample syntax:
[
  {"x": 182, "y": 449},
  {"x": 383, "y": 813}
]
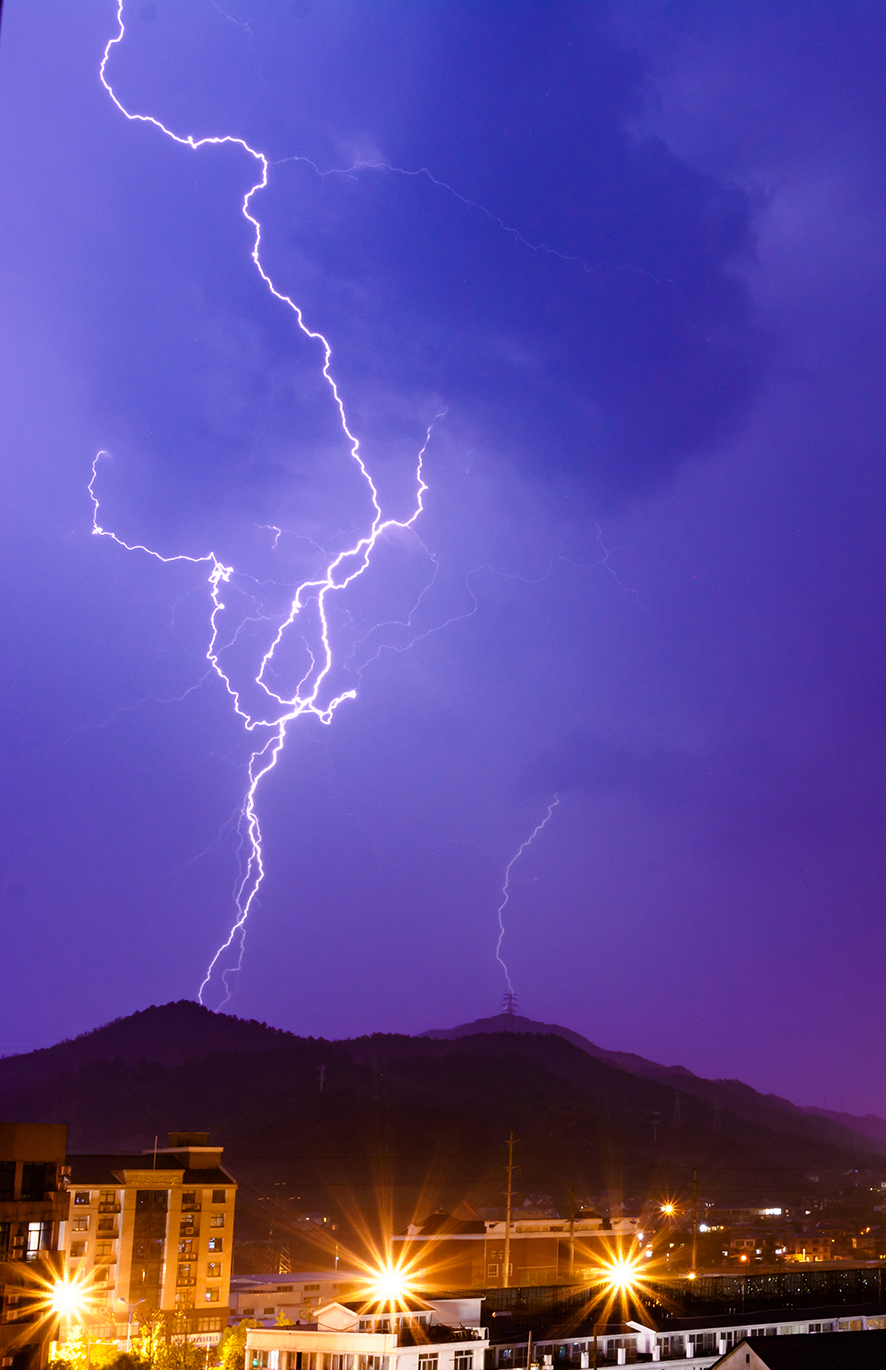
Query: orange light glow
[{"x": 390, "y": 1285}]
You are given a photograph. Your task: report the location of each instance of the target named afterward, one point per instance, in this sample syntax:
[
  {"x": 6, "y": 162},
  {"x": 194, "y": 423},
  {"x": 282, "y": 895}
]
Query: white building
[
  {"x": 437, "y": 1334},
  {"x": 297, "y": 1297}
]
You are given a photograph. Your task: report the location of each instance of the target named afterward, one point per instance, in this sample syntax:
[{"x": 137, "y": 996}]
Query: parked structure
[
  {"x": 33, "y": 1208},
  {"x": 424, "y": 1335},
  {"x": 470, "y": 1254},
  {"x": 154, "y": 1231}
]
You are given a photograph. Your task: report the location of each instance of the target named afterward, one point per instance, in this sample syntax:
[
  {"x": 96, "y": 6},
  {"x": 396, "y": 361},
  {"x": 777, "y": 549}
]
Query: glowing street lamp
[{"x": 389, "y": 1285}]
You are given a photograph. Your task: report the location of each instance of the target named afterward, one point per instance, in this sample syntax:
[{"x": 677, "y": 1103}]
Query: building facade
[
  {"x": 154, "y": 1231},
  {"x": 474, "y": 1254},
  {"x": 430, "y": 1335},
  {"x": 33, "y": 1208},
  {"x": 297, "y": 1296}
]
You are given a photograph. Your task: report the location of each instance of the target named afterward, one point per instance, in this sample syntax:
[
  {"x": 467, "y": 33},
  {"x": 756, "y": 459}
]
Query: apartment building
[
  {"x": 473, "y": 1253},
  {"x": 152, "y": 1231},
  {"x": 33, "y": 1208}
]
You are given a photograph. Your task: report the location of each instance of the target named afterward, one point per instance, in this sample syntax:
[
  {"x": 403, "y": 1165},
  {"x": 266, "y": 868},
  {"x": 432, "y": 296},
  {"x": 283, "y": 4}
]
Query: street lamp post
[{"x": 132, "y": 1307}]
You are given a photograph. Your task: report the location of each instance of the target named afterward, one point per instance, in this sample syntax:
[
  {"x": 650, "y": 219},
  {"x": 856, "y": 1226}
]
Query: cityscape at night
[{"x": 444, "y": 690}]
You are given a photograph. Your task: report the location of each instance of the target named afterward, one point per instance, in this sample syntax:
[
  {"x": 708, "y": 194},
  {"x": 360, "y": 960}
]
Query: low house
[
  {"x": 848, "y": 1350},
  {"x": 419, "y": 1335}
]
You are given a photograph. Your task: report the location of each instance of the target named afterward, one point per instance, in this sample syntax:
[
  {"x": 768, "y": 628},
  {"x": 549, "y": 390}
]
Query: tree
[{"x": 232, "y": 1352}]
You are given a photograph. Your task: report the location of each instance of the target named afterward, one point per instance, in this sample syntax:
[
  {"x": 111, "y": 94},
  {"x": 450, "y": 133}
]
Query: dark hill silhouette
[{"x": 307, "y": 1123}]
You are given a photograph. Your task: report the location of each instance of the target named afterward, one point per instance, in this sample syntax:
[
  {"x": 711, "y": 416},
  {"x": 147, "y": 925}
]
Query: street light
[{"x": 131, "y": 1307}]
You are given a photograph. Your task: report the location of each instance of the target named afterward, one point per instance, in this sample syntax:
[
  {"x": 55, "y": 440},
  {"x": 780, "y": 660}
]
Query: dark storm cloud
[
  {"x": 572, "y": 294},
  {"x": 610, "y": 335}
]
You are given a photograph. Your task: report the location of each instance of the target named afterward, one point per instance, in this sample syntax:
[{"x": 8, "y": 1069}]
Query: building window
[
  {"x": 311, "y": 1286},
  {"x": 78, "y": 1248},
  {"x": 427, "y": 1361},
  {"x": 216, "y": 1243},
  {"x": 464, "y": 1360},
  {"x": 247, "y": 1312},
  {"x": 108, "y": 1196},
  {"x": 184, "y": 1299},
  {"x": 39, "y": 1237},
  {"x": 37, "y": 1178},
  {"x": 219, "y": 1196},
  {"x": 213, "y": 1270},
  {"x": 266, "y": 1312},
  {"x": 104, "y": 1251},
  {"x": 492, "y": 1270},
  {"x": 209, "y": 1324},
  {"x": 101, "y": 1276},
  {"x": 186, "y": 1248},
  {"x": 82, "y": 1196},
  {"x": 211, "y": 1296},
  {"x": 7, "y": 1181},
  {"x": 80, "y": 1224},
  {"x": 189, "y": 1196},
  {"x": 217, "y": 1220}
]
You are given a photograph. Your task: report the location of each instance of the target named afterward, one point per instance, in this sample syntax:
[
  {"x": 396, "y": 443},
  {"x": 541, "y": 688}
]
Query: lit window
[
  {"x": 213, "y": 1270},
  {"x": 216, "y": 1243},
  {"x": 108, "y": 1196},
  {"x": 80, "y": 1224},
  {"x": 311, "y": 1286},
  {"x": 217, "y": 1220},
  {"x": 82, "y": 1196},
  {"x": 211, "y": 1296},
  {"x": 78, "y": 1248}
]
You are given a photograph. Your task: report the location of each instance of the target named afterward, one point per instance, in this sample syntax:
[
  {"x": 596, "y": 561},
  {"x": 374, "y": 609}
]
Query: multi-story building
[
  {"x": 33, "y": 1208},
  {"x": 154, "y": 1231},
  {"x": 474, "y": 1253}
]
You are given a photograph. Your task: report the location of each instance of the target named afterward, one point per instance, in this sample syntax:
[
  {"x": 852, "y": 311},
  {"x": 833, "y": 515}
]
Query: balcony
[
  {"x": 185, "y": 1280},
  {"x": 191, "y": 1207},
  {"x": 109, "y": 1208}
]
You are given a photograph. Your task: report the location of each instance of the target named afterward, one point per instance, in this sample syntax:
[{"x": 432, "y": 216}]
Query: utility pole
[
  {"x": 694, "y": 1215},
  {"x": 529, "y": 1350},
  {"x": 596, "y": 1324},
  {"x": 510, "y": 1169},
  {"x": 572, "y": 1233}
]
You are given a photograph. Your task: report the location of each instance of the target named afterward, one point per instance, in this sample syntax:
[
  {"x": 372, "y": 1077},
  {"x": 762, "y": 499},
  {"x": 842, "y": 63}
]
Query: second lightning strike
[{"x": 341, "y": 570}]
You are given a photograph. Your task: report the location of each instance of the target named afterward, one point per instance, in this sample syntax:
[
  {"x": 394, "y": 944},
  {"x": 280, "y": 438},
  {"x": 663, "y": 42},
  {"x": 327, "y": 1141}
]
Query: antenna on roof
[{"x": 509, "y": 1006}]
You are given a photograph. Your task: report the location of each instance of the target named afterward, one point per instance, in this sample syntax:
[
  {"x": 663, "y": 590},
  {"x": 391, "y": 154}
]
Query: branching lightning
[
  {"x": 310, "y": 694},
  {"x": 505, "y": 889}
]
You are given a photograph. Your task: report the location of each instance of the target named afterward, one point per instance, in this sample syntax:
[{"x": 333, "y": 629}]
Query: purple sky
[{"x": 642, "y": 279}]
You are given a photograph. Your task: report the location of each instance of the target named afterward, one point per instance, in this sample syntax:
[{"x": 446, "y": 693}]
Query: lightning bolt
[
  {"x": 505, "y": 889},
  {"x": 309, "y": 697}
]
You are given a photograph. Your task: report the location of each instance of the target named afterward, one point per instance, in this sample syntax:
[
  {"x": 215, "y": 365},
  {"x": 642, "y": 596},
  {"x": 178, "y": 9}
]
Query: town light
[
  {"x": 622, "y": 1274},
  {"x": 67, "y": 1298},
  {"x": 669, "y": 1209},
  {"x": 389, "y": 1285}
]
